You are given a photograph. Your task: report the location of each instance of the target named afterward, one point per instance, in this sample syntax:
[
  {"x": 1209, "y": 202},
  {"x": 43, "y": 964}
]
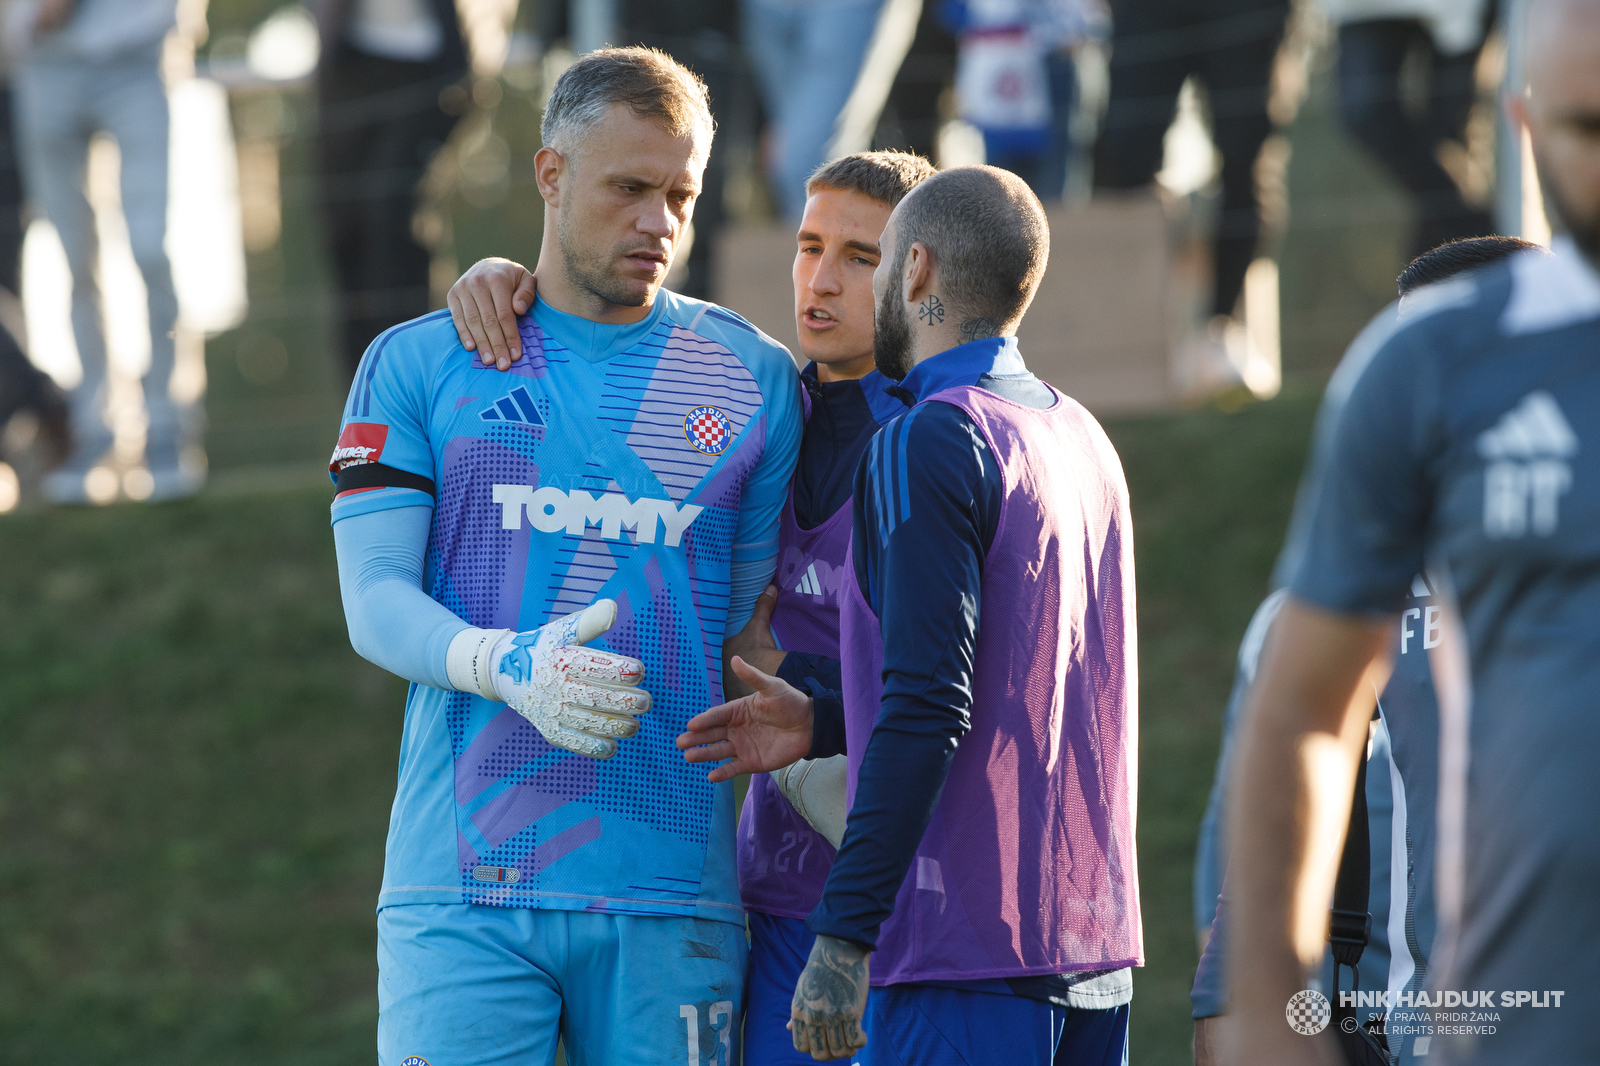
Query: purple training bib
[
  {"x": 1028, "y": 864},
  {"x": 783, "y": 862}
]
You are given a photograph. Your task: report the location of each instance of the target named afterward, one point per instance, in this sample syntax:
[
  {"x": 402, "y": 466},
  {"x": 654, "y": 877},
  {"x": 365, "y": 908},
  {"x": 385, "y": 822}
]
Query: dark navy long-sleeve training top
[
  {"x": 928, "y": 500},
  {"x": 842, "y": 419}
]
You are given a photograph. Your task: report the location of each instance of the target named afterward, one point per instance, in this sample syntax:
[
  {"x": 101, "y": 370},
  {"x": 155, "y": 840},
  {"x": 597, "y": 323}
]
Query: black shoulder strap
[
  {"x": 1349, "y": 925},
  {"x": 379, "y": 476}
]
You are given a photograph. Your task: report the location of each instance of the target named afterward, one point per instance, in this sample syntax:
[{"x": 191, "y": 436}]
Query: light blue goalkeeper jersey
[{"x": 639, "y": 463}]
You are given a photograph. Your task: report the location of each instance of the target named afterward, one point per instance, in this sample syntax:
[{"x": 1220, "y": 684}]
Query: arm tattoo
[
  {"x": 834, "y": 983},
  {"x": 932, "y": 311},
  {"x": 976, "y": 329}
]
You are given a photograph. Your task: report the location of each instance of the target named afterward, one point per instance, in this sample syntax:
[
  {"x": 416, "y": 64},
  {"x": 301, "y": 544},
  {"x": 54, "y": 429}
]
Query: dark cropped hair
[
  {"x": 647, "y": 80},
  {"x": 1448, "y": 260},
  {"x": 989, "y": 241},
  {"x": 882, "y": 176}
]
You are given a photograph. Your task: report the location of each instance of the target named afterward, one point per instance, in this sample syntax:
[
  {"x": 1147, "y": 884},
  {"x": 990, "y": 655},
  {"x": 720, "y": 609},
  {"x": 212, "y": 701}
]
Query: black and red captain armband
[{"x": 378, "y": 476}]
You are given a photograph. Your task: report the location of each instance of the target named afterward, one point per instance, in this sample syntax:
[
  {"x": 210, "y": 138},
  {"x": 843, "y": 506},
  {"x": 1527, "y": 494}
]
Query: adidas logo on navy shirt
[{"x": 1528, "y": 471}]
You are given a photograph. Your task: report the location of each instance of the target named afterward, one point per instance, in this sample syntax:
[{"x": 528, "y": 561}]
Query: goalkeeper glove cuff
[{"x": 469, "y": 661}]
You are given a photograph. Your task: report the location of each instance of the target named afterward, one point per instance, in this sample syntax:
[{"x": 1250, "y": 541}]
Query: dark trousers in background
[
  {"x": 1230, "y": 45},
  {"x": 911, "y": 119},
  {"x": 23, "y": 386},
  {"x": 379, "y": 127},
  {"x": 714, "y": 57},
  {"x": 1371, "y": 57}
]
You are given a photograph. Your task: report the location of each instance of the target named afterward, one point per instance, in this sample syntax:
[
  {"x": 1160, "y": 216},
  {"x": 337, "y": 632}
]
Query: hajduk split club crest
[{"x": 708, "y": 430}]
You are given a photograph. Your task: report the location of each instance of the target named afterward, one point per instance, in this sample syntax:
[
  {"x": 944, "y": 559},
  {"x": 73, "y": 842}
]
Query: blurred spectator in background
[
  {"x": 910, "y": 121},
  {"x": 384, "y": 72},
  {"x": 87, "y": 67},
  {"x": 703, "y": 36},
  {"x": 1376, "y": 40},
  {"x": 1230, "y": 46},
  {"x": 1017, "y": 83},
  {"x": 23, "y": 386},
  {"x": 806, "y": 55}
]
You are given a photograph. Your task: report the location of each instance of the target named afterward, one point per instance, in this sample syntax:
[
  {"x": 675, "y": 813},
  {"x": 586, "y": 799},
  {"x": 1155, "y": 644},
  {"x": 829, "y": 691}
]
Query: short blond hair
[{"x": 646, "y": 80}]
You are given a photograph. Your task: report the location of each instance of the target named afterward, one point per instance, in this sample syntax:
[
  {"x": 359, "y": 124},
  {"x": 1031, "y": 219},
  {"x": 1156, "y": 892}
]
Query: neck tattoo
[
  {"x": 976, "y": 329},
  {"x": 931, "y": 311}
]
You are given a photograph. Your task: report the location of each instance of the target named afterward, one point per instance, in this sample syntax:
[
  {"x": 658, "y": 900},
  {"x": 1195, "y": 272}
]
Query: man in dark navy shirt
[
  {"x": 1471, "y": 443},
  {"x": 990, "y": 696},
  {"x": 1402, "y": 759}
]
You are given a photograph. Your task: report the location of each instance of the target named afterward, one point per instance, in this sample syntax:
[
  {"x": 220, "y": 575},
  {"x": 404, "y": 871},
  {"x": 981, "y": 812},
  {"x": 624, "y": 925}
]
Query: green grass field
[{"x": 196, "y": 770}]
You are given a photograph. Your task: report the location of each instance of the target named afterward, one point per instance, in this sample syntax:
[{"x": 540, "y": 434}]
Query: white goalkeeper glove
[
  {"x": 581, "y": 699},
  {"x": 816, "y": 790}
]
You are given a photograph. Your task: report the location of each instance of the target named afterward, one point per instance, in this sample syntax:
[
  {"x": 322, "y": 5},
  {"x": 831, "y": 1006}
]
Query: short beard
[
  {"x": 590, "y": 270},
  {"x": 891, "y": 330},
  {"x": 1585, "y": 232},
  {"x": 891, "y": 339}
]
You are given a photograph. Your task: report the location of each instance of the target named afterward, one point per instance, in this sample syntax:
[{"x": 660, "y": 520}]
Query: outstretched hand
[
  {"x": 484, "y": 305},
  {"x": 766, "y": 730}
]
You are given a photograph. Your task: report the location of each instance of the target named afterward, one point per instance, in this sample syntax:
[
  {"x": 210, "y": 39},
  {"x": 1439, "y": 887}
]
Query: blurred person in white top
[{"x": 85, "y": 67}]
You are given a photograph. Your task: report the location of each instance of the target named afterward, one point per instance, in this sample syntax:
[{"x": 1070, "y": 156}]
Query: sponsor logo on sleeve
[{"x": 360, "y": 442}]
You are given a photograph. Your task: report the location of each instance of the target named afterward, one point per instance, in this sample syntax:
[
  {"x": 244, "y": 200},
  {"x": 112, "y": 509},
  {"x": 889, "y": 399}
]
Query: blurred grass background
[{"x": 196, "y": 770}]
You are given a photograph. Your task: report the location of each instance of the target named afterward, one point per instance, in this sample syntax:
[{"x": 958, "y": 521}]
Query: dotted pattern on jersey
[
  {"x": 672, "y": 372},
  {"x": 514, "y": 436},
  {"x": 708, "y": 553},
  {"x": 509, "y": 822},
  {"x": 679, "y": 690},
  {"x": 475, "y": 562},
  {"x": 508, "y": 778}
]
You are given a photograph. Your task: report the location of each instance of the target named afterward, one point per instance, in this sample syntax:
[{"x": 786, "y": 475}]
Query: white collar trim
[{"x": 1551, "y": 291}]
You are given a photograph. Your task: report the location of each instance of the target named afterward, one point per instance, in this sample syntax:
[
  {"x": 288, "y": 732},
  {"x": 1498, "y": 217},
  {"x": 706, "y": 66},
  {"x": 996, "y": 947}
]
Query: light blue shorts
[{"x": 466, "y": 985}]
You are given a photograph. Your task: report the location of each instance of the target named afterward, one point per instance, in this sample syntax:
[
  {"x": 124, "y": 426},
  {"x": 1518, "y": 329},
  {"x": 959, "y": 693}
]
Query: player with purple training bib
[
  {"x": 986, "y": 885},
  {"x": 794, "y": 631},
  {"x": 783, "y": 860}
]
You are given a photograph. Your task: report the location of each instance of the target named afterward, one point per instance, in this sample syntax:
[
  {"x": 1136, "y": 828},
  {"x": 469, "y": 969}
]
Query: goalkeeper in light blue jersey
[{"x": 553, "y": 556}]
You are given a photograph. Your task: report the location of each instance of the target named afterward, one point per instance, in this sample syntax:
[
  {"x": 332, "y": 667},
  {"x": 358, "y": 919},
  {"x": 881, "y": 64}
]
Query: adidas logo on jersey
[
  {"x": 807, "y": 576},
  {"x": 813, "y": 585},
  {"x": 551, "y": 510},
  {"x": 515, "y": 407},
  {"x": 1528, "y": 471}
]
